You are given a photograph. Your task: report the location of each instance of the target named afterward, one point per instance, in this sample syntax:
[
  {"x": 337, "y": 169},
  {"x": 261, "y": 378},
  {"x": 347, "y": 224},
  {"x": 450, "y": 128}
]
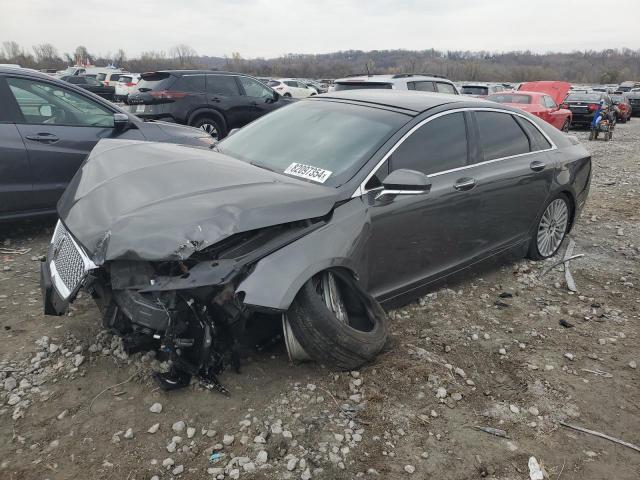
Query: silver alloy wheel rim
[
  {"x": 210, "y": 129},
  {"x": 552, "y": 227}
]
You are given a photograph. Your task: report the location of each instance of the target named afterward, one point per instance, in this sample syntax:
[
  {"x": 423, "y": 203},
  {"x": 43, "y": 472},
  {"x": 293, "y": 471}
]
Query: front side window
[
  {"x": 47, "y": 104},
  {"x": 252, "y": 88},
  {"x": 445, "y": 88},
  {"x": 222, "y": 85},
  {"x": 500, "y": 135},
  {"x": 350, "y": 136},
  {"x": 549, "y": 103},
  {"x": 438, "y": 145}
]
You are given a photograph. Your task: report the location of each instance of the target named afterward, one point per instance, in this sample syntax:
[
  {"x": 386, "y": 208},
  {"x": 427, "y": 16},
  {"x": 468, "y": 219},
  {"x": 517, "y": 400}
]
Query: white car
[
  {"x": 125, "y": 85},
  {"x": 290, "y": 87}
]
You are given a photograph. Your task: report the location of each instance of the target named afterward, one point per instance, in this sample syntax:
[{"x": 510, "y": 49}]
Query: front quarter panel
[{"x": 276, "y": 279}]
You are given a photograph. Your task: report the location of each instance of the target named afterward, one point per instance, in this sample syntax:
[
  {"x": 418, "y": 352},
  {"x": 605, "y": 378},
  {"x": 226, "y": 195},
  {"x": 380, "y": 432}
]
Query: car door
[
  {"x": 555, "y": 117},
  {"x": 512, "y": 176},
  {"x": 15, "y": 172},
  {"x": 223, "y": 94},
  {"x": 419, "y": 237},
  {"x": 59, "y": 127},
  {"x": 260, "y": 98}
]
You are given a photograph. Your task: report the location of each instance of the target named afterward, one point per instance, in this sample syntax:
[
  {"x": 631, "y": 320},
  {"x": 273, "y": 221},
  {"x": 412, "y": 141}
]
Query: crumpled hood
[{"x": 158, "y": 201}]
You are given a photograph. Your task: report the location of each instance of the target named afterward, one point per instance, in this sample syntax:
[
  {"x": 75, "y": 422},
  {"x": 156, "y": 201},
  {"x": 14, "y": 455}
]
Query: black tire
[
  {"x": 288, "y": 95},
  {"x": 330, "y": 341},
  {"x": 534, "y": 252},
  {"x": 623, "y": 120},
  {"x": 205, "y": 122}
]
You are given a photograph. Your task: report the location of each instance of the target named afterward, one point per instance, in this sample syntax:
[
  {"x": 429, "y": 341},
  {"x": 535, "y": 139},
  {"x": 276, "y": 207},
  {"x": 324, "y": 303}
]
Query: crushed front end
[{"x": 187, "y": 309}]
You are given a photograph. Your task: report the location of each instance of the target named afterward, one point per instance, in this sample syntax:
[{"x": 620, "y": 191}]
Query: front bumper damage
[{"x": 188, "y": 310}]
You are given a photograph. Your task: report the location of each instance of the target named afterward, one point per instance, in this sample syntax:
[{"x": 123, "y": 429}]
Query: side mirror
[
  {"x": 405, "y": 182},
  {"x": 46, "y": 110},
  {"x": 120, "y": 122}
]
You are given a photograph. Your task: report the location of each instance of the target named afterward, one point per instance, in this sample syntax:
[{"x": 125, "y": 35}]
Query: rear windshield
[
  {"x": 617, "y": 98},
  {"x": 584, "y": 97},
  {"x": 474, "y": 90},
  {"x": 125, "y": 79},
  {"x": 509, "y": 98},
  {"x": 361, "y": 85},
  {"x": 154, "y": 81}
]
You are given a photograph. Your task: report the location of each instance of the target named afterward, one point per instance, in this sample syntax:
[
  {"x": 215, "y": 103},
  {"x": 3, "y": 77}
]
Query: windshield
[
  {"x": 617, "y": 98},
  {"x": 474, "y": 90},
  {"x": 510, "y": 98},
  {"x": 331, "y": 136},
  {"x": 361, "y": 85},
  {"x": 584, "y": 97}
]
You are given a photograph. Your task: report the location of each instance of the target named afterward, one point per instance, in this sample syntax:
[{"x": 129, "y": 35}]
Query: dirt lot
[{"x": 488, "y": 352}]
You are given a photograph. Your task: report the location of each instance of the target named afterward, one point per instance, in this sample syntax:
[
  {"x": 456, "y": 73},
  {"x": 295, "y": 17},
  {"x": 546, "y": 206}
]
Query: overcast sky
[{"x": 269, "y": 28}]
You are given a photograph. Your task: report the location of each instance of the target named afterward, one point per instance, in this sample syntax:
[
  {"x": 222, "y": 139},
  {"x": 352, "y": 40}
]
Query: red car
[
  {"x": 544, "y": 101},
  {"x": 623, "y": 106}
]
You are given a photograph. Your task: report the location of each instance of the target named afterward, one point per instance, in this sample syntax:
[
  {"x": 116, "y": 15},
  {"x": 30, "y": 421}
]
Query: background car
[
  {"x": 91, "y": 84},
  {"x": 47, "y": 128},
  {"x": 214, "y": 101},
  {"x": 125, "y": 85},
  {"x": 538, "y": 104},
  {"x": 401, "y": 81},
  {"x": 584, "y": 105},
  {"x": 480, "y": 90},
  {"x": 110, "y": 78},
  {"x": 623, "y": 107},
  {"x": 290, "y": 87}
]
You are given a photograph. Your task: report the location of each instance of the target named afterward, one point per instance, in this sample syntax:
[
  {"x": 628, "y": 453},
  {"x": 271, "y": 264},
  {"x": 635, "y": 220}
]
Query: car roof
[
  {"x": 410, "y": 100},
  {"x": 391, "y": 78},
  {"x": 191, "y": 72},
  {"x": 25, "y": 71}
]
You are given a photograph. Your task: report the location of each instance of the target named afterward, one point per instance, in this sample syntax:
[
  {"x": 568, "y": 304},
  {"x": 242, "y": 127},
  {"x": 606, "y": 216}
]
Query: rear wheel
[
  {"x": 553, "y": 225},
  {"x": 209, "y": 125},
  {"x": 333, "y": 321}
]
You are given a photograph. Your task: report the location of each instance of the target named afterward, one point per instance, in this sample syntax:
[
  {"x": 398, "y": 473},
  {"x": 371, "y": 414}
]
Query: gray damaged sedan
[{"x": 316, "y": 214}]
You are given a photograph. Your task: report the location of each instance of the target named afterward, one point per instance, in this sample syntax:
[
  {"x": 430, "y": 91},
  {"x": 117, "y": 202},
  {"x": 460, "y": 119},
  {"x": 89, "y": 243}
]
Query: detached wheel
[
  {"x": 211, "y": 126},
  {"x": 335, "y": 322},
  {"x": 553, "y": 225}
]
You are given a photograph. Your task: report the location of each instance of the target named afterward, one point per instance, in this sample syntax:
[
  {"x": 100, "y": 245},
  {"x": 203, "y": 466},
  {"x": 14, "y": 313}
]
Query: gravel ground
[{"x": 489, "y": 351}]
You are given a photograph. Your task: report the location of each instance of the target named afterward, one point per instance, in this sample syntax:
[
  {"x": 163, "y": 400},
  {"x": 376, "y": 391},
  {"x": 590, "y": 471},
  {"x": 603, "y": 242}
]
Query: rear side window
[
  {"x": 538, "y": 140},
  {"x": 101, "y": 76},
  {"x": 445, "y": 88},
  {"x": 500, "y": 135},
  {"x": 190, "y": 83},
  {"x": 222, "y": 85},
  {"x": 438, "y": 145},
  {"x": 114, "y": 77},
  {"x": 421, "y": 86}
]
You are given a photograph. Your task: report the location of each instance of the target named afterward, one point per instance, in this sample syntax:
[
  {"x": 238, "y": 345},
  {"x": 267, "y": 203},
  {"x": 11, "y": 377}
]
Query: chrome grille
[{"x": 68, "y": 265}]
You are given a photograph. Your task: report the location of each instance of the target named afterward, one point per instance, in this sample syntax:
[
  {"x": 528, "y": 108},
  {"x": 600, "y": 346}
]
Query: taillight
[
  {"x": 168, "y": 94},
  {"x": 593, "y": 107},
  {"x": 279, "y": 88},
  {"x": 130, "y": 84}
]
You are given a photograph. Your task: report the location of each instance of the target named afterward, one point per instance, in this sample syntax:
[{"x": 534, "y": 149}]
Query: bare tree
[
  {"x": 82, "y": 55},
  {"x": 12, "y": 50},
  {"x": 46, "y": 54},
  {"x": 120, "y": 57},
  {"x": 183, "y": 54}
]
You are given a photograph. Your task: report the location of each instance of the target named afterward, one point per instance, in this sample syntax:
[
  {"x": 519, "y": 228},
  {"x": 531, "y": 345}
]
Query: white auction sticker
[{"x": 307, "y": 171}]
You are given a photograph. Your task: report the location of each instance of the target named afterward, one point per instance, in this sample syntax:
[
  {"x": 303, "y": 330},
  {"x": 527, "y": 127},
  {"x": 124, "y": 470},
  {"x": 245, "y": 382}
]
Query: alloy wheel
[
  {"x": 210, "y": 129},
  {"x": 552, "y": 227}
]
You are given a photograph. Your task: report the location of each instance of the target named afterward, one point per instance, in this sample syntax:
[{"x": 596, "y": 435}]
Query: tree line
[{"x": 590, "y": 66}]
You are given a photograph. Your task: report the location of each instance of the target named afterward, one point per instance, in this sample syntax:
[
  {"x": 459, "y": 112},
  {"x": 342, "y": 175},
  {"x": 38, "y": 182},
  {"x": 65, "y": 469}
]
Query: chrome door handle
[
  {"x": 537, "y": 166},
  {"x": 464, "y": 184}
]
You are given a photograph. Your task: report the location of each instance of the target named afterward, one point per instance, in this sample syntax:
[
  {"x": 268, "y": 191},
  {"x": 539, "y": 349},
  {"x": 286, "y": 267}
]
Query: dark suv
[{"x": 216, "y": 102}]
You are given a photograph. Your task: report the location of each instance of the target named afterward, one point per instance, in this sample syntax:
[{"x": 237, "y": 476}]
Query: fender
[
  {"x": 277, "y": 278},
  {"x": 208, "y": 111}
]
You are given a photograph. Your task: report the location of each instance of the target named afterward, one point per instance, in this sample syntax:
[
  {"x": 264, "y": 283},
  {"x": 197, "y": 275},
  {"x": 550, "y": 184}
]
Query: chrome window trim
[{"x": 361, "y": 188}]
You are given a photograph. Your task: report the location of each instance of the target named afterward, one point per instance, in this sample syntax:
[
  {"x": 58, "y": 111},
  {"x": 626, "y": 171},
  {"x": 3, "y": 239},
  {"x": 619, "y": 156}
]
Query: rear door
[
  {"x": 513, "y": 176},
  {"x": 15, "y": 171},
  {"x": 59, "y": 127},
  {"x": 223, "y": 95}
]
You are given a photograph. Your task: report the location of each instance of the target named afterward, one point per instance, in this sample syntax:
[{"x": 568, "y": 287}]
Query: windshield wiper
[{"x": 259, "y": 165}]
